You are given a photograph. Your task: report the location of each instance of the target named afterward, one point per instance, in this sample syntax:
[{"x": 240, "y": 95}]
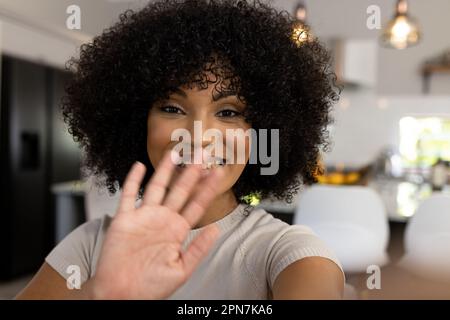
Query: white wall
[
  {"x": 36, "y": 30},
  {"x": 366, "y": 123},
  {"x": 367, "y": 119},
  {"x": 399, "y": 71},
  {"x": 47, "y": 48},
  {"x": 96, "y": 14}
]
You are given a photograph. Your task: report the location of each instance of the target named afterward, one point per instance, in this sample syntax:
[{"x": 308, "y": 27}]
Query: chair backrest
[
  {"x": 427, "y": 233},
  {"x": 351, "y": 220},
  {"x": 98, "y": 201}
]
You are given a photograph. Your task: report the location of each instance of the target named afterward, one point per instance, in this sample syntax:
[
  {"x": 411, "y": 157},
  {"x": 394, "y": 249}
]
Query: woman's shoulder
[
  {"x": 79, "y": 248},
  {"x": 90, "y": 232},
  {"x": 261, "y": 221},
  {"x": 275, "y": 244}
]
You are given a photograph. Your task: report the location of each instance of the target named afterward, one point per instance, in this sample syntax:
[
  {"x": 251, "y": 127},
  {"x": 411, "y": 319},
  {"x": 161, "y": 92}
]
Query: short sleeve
[
  {"x": 77, "y": 249},
  {"x": 296, "y": 243}
]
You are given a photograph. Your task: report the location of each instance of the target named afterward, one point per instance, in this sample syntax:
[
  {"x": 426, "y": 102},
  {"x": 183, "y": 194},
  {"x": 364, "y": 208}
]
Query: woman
[{"x": 226, "y": 65}]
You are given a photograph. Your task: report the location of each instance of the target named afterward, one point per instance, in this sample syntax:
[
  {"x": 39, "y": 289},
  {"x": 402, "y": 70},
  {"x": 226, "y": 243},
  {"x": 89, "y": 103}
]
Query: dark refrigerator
[{"x": 36, "y": 151}]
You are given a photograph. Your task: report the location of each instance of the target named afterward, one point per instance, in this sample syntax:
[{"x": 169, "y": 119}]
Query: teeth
[{"x": 209, "y": 165}]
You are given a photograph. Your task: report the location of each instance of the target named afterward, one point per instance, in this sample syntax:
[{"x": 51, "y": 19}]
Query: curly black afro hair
[{"x": 167, "y": 44}]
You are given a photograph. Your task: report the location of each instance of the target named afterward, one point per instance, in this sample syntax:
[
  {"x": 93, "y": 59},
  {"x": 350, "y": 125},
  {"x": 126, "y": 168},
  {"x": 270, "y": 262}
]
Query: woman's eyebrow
[
  {"x": 179, "y": 92},
  {"x": 220, "y": 94},
  {"x": 223, "y": 95}
]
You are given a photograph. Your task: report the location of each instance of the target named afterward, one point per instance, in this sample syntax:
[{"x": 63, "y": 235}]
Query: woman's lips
[
  {"x": 206, "y": 167},
  {"x": 203, "y": 157},
  {"x": 212, "y": 163}
]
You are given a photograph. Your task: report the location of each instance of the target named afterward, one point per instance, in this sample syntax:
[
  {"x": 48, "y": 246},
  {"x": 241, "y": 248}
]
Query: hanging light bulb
[
  {"x": 402, "y": 31},
  {"x": 301, "y": 31}
]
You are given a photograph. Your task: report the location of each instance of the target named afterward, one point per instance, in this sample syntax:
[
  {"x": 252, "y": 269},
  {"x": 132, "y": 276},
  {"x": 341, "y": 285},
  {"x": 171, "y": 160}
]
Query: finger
[
  {"x": 199, "y": 248},
  {"x": 131, "y": 187},
  {"x": 156, "y": 188},
  {"x": 198, "y": 204},
  {"x": 182, "y": 188}
]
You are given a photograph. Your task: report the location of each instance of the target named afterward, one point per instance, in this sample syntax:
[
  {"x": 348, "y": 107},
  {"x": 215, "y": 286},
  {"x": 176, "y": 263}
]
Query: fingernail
[
  {"x": 139, "y": 164},
  {"x": 175, "y": 157},
  {"x": 198, "y": 156}
]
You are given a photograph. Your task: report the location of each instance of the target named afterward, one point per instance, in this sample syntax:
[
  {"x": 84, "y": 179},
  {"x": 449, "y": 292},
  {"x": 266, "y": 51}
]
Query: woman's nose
[
  {"x": 200, "y": 131},
  {"x": 198, "y": 125}
]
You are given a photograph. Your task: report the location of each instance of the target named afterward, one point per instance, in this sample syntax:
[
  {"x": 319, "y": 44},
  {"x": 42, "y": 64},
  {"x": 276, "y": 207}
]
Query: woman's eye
[
  {"x": 172, "y": 109},
  {"x": 228, "y": 113}
]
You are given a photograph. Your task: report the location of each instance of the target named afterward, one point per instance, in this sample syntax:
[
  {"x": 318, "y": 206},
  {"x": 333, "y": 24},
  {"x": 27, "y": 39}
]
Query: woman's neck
[{"x": 219, "y": 208}]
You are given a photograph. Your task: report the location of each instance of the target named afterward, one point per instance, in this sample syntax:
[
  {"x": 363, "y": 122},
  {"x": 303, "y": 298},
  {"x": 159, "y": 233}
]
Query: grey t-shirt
[{"x": 253, "y": 248}]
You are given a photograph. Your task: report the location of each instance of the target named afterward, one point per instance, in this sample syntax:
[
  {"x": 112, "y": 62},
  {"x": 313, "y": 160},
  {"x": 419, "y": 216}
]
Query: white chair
[
  {"x": 427, "y": 239},
  {"x": 98, "y": 201},
  {"x": 351, "y": 220}
]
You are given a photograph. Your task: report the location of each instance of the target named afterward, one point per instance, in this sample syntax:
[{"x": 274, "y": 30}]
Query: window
[{"x": 423, "y": 140}]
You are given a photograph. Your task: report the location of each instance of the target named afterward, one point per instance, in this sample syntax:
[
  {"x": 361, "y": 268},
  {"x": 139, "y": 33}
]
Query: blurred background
[{"x": 386, "y": 184}]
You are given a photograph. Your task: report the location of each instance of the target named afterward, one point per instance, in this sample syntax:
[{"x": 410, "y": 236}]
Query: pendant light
[
  {"x": 301, "y": 31},
  {"x": 402, "y": 31}
]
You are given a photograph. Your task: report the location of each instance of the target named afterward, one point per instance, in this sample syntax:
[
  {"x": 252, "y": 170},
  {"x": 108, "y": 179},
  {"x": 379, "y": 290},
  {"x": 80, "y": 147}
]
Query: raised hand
[{"x": 142, "y": 255}]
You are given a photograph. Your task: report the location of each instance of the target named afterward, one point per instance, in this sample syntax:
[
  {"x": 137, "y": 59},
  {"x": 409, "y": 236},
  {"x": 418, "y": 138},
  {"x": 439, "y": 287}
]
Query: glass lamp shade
[
  {"x": 401, "y": 33},
  {"x": 301, "y": 32}
]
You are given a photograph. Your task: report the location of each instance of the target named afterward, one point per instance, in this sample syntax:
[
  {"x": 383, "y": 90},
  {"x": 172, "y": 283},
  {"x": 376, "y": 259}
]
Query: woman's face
[{"x": 206, "y": 108}]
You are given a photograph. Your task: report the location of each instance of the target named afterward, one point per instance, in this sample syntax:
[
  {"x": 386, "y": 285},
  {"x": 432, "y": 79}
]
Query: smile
[{"x": 206, "y": 165}]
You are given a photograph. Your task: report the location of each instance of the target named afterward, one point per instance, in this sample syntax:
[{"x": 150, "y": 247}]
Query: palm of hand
[{"x": 142, "y": 256}]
